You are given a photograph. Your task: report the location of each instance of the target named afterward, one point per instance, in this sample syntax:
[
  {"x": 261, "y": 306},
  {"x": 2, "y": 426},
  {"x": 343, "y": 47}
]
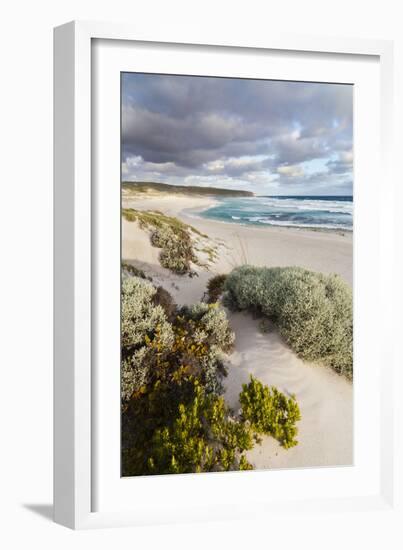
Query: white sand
[
  {"x": 328, "y": 252},
  {"x": 325, "y": 399}
]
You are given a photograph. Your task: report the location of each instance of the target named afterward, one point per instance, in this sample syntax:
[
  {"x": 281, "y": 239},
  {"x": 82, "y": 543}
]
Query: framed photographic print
[{"x": 219, "y": 230}]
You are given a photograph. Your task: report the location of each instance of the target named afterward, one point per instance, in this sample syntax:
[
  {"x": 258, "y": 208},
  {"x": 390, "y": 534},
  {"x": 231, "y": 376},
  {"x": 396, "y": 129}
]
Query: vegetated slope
[
  {"x": 174, "y": 416},
  {"x": 181, "y": 244},
  {"x": 145, "y": 187},
  {"x": 313, "y": 311}
]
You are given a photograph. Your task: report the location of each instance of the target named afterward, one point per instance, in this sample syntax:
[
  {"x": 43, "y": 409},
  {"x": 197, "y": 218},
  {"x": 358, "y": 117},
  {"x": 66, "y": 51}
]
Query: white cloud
[
  {"x": 292, "y": 171},
  {"x": 237, "y": 133},
  {"x": 346, "y": 157}
]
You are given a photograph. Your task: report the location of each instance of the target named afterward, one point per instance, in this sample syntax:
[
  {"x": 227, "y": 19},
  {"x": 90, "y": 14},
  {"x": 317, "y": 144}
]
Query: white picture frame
[{"x": 75, "y": 413}]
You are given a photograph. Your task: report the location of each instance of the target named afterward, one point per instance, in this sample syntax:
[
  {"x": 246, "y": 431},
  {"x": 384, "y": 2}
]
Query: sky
[{"x": 269, "y": 137}]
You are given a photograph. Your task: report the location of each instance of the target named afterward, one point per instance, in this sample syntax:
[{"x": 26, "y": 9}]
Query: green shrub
[
  {"x": 203, "y": 437},
  {"x": 243, "y": 288},
  {"x": 203, "y": 336},
  {"x": 162, "y": 236},
  {"x": 171, "y": 235},
  {"x": 212, "y": 325},
  {"x": 157, "y": 341},
  {"x": 270, "y": 412},
  {"x": 174, "y": 418},
  {"x": 176, "y": 248},
  {"x": 141, "y": 323},
  {"x": 164, "y": 299},
  {"x": 215, "y": 288},
  {"x": 181, "y": 428},
  {"x": 313, "y": 311},
  {"x": 164, "y": 358}
]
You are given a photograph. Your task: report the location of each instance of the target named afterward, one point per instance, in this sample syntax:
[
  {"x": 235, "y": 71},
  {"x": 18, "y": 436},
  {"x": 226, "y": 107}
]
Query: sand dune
[
  {"x": 328, "y": 252},
  {"x": 325, "y": 399}
]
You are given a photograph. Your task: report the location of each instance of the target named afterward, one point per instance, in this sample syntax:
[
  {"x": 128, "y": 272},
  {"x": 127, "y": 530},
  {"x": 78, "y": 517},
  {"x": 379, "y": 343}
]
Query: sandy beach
[{"x": 325, "y": 399}]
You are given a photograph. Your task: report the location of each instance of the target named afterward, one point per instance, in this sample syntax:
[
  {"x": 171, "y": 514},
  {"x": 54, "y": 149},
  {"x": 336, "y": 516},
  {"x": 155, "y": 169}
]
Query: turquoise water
[{"x": 309, "y": 211}]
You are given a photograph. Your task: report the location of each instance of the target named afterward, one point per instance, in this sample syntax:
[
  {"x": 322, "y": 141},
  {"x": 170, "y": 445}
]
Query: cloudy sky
[{"x": 271, "y": 137}]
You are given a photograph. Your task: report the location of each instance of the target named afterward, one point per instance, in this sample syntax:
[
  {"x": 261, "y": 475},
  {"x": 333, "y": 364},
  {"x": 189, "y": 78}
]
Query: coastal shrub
[
  {"x": 158, "y": 341},
  {"x": 171, "y": 235},
  {"x": 210, "y": 324},
  {"x": 270, "y": 412},
  {"x": 203, "y": 336},
  {"x": 215, "y": 287},
  {"x": 141, "y": 322},
  {"x": 313, "y": 311},
  {"x": 174, "y": 417},
  {"x": 140, "y": 317},
  {"x": 244, "y": 288},
  {"x": 181, "y": 428},
  {"x": 176, "y": 259},
  {"x": 203, "y": 437},
  {"x": 160, "y": 374},
  {"x": 164, "y": 299},
  {"x": 176, "y": 249},
  {"x": 151, "y": 219},
  {"x": 162, "y": 236}
]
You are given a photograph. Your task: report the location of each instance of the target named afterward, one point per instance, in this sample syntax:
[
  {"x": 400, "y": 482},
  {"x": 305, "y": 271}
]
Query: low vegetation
[
  {"x": 155, "y": 219},
  {"x": 146, "y": 187},
  {"x": 215, "y": 288},
  {"x": 142, "y": 323},
  {"x": 174, "y": 417},
  {"x": 203, "y": 437},
  {"x": 270, "y": 412},
  {"x": 158, "y": 339},
  {"x": 177, "y": 252},
  {"x": 313, "y": 311},
  {"x": 129, "y": 269},
  {"x": 178, "y": 241}
]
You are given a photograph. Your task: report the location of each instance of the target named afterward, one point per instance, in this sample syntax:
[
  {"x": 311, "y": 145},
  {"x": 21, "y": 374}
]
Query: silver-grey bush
[{"x": 313, "y": 311}]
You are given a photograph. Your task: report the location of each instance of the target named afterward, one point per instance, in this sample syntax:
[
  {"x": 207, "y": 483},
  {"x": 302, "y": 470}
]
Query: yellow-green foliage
[
  {"x": 178, "y": 427},
  {"x": 203, "y": 437},
  {"x": 155, "y": 219},
  {"x": 270, "y": 412},
  {"x": 174, "y": 418},
  {"x": 313, "y": 311}
]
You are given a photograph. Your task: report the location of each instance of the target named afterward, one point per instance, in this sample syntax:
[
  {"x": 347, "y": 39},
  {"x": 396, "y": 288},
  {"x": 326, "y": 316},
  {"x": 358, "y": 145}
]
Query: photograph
[
  {"x": 236, "y": 274},
  {"x": 205, "y": 349}
]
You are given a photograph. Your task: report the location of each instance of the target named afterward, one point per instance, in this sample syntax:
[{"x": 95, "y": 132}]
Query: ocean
[{"x": 309, "y": 211}]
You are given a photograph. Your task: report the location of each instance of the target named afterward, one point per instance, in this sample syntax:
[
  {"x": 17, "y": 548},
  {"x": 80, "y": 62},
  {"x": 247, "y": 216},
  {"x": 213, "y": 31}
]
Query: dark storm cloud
[{"x": 185, "y": 129}]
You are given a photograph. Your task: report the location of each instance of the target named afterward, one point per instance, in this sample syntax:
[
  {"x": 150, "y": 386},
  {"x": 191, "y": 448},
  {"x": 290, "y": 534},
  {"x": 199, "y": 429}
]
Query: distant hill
[{"x": 144, "y": 187}]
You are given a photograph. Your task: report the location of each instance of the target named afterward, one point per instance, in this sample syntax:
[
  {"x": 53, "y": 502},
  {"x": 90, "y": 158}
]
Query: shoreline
[
  {"x": 194, "y": 211},
  {"x": 323, "y": 251},
  {"x": 145, "y": 201}
]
